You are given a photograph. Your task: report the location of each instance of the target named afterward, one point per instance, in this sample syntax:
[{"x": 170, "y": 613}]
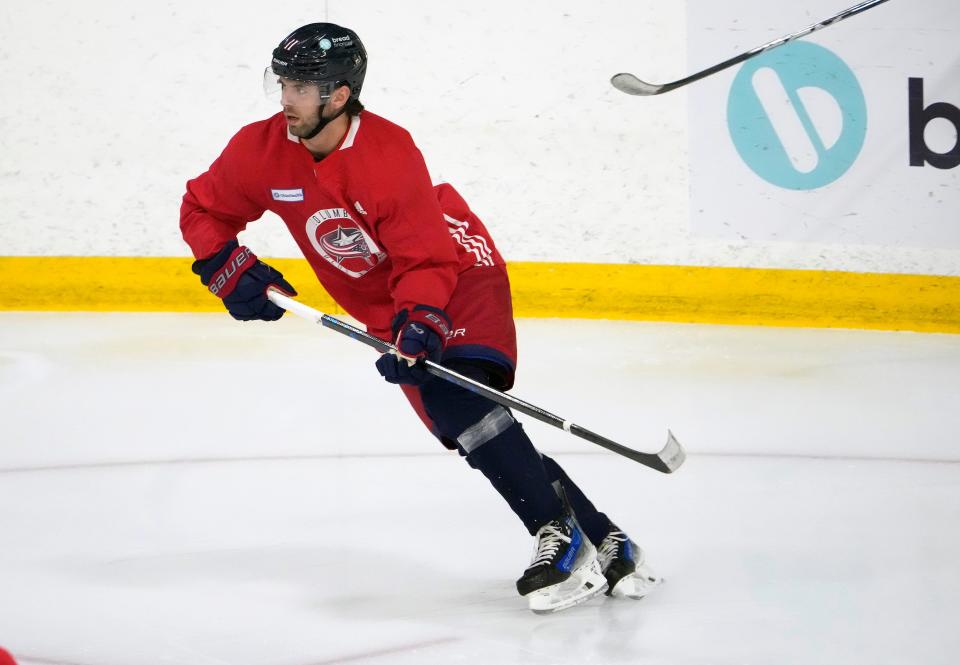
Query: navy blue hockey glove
[
  {"x": 240, "y": 279},
  {"x": 420, "y": 333}
]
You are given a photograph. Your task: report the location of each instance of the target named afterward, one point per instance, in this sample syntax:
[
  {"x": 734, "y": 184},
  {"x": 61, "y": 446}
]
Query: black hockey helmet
[{"x": 322, "y": 53}]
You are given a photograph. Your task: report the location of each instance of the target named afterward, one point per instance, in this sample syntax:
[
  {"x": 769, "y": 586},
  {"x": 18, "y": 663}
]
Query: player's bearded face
[
  {"x": 301, "y": 122},
  {"x": 301, "y": 106}
]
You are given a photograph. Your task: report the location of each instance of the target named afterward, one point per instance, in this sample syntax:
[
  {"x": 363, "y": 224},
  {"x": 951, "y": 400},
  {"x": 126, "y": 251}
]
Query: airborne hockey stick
[
  {"x": 631, "y": 85},
  {"x": 667, "y": 460}
]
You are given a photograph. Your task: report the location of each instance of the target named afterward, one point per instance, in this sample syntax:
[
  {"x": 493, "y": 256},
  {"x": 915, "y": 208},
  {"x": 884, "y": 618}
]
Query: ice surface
[{"x": 186, "y": 489}]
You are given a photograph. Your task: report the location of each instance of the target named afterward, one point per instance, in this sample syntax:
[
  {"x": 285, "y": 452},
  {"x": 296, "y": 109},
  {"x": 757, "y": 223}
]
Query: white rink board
[
  {"x": 804, "y": 160},
  {"x": 509, "y": 102}
]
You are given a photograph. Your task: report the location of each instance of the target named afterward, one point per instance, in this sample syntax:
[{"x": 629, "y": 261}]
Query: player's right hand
[
  {"x": 421, "y": 334},
  {"x": 240, "y": 279}
]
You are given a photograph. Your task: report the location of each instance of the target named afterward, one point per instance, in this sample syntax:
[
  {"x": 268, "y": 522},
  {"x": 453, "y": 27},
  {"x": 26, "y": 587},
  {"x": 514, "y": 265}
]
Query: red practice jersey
[{"x": 378, "y": 234}]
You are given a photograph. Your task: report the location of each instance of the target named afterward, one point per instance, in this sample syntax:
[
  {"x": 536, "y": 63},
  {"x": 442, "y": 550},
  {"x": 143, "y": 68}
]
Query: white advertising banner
[{"x": 848, "y": 136}]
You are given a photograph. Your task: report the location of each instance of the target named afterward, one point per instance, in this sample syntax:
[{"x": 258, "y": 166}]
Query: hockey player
[{"x": 414, "y": 264}]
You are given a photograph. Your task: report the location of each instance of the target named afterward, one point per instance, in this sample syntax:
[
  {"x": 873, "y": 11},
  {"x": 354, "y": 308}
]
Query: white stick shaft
[{"x": 295, "y": 306}]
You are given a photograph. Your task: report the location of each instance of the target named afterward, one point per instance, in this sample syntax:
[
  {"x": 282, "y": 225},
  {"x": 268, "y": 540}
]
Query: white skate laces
[
  {"x": 622, "y": 563},
  {"x": 610, "y": 548},
  {"x": 548, "y": 540}
]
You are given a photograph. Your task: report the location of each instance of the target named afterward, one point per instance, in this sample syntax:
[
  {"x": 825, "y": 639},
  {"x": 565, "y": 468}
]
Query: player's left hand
[{"x": 420, "y": 334}]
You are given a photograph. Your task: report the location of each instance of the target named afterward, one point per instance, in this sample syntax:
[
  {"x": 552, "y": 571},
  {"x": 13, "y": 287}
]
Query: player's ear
[{"x": 340, "y": 96}]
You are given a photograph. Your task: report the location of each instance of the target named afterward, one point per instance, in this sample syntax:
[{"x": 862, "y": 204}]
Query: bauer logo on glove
[
  {"x": 225, "y": 279},
  {"x": 240, "y": 279},
  {"x": 420, "y": 334}
]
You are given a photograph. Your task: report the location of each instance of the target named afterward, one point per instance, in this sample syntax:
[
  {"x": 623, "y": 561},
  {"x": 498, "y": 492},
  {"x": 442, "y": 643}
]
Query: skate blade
[
  {"x": 637, "y": 585},
  {"x": 583, "y": 584}
]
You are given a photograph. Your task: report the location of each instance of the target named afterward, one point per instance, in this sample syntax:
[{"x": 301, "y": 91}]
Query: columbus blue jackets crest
[{"x": 340, "y": 240}]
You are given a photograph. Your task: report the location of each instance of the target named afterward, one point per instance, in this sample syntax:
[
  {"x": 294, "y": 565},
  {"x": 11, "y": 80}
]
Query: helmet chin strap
[{"x": 323, "y": 122}]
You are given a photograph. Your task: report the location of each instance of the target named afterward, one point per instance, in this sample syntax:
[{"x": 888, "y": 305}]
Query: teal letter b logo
[{"x": 797, "y": 116}]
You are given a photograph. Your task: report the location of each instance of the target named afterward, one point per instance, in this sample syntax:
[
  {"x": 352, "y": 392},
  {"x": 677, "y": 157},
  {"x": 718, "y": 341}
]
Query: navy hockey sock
[
  {"x": 494, "y": 443},
  {"x": 514, "y": 467},
  {"x": 594, "y": 523}
]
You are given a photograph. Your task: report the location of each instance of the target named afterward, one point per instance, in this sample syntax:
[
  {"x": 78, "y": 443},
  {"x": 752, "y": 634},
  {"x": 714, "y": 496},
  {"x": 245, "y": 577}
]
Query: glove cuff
[
  {"x": 221, "y": 272},
  {"x": 435, "y": 318}
]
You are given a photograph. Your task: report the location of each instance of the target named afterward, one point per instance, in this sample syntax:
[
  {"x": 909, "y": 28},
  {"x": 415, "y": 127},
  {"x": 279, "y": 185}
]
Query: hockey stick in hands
[
  {"x": 631, "y": 85},
  {"x": 667, "y": 460}
]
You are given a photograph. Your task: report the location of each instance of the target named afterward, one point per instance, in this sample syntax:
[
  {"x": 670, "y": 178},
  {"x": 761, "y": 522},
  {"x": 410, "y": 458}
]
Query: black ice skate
[
  {"x": 622, "y": 564},
  {"x": 564, "y": 570}
]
